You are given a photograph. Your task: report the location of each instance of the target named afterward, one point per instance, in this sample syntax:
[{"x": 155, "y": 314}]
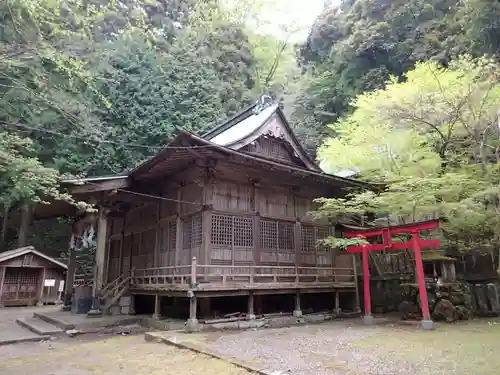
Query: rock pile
[{"x": 452, "y": 302}]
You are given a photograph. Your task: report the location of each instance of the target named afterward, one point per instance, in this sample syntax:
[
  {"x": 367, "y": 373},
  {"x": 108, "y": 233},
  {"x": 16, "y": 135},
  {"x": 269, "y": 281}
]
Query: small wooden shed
[{"x": 29, "y": 277}]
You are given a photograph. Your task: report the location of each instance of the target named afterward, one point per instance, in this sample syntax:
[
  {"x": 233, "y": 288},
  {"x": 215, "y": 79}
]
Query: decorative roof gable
[{"x": 262, "y": 130}]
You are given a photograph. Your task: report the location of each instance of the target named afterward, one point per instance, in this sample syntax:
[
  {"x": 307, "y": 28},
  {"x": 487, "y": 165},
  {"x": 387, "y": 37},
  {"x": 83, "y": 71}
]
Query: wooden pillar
[
  {"x": 70, "y": 274},
  {"x": 107, "y": 254},
  {"x": 368, "y": 318},
  {"x": 422, "y": 290},
  {"x": 122, "y": 239},
  {"x": 178, "y": 225},
  {"x": 100, "y": 254},
  {"x": 22, "y": 239},
  {"x": 256, "y": 240},
  {"x": 157, "y": 313},
  {"x": 40, "y": 293},
  {"x": 298, "y": 311},
  {"x": 206, "y": 256},
  {"x": 158, "y": 236},
  {"x": 250, "y": 312},
  {"x": 2, "y": 278},
  {"x": 298, "y": 248},
  {"x": 100, "y": 257}
]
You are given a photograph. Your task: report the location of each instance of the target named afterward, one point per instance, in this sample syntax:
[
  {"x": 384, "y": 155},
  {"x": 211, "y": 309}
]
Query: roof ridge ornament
[{"x": 262, "y": 103}]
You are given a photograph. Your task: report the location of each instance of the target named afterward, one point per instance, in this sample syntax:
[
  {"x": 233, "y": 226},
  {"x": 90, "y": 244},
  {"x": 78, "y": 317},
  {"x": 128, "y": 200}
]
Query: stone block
[
  {"x": 126, "y": 301},
  {"x": 115, "y": 310},
  {"x": 126, "y": 310},
  {"x": 492, "y": 293},
  {"x": 481, "y": 299}
]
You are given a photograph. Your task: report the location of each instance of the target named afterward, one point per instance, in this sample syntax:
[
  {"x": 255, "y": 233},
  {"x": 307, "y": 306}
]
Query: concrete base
[
  {"x": 192, "y": 325},
  {"x": 427, "y": 325},
  {"x": 39, "y": 303},
  {"x": 94, "y": 313},
  {"x": 156, "y": 317},
  {"x": 297, "y": 313},
  {"x": 250, "y": 316},
  {"x": 66, "y": 308},
  {"x": 368, "y": 319}
]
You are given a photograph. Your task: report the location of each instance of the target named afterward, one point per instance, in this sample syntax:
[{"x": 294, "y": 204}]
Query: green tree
[{"x": 433, "y": 141}]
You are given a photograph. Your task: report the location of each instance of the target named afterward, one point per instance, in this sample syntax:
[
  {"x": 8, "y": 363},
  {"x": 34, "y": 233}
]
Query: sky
[{"x": 277, "y": 13}]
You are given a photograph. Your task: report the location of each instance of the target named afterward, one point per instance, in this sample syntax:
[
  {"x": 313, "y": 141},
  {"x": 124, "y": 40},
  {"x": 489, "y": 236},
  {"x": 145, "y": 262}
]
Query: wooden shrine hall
[{"x": 222, "y": 214}]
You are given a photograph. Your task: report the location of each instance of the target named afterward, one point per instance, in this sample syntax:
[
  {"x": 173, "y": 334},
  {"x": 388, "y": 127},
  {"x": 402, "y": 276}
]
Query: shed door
[{"x": 20, "y": 286}]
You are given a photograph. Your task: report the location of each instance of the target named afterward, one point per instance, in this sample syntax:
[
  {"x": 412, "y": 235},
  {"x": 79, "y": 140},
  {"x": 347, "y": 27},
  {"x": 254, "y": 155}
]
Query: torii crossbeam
[{"x": 416, "y": 243}]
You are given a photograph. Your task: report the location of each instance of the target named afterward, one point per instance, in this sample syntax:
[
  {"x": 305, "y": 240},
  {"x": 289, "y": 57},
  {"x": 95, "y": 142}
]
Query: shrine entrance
[{"x": 391, "y": 240}]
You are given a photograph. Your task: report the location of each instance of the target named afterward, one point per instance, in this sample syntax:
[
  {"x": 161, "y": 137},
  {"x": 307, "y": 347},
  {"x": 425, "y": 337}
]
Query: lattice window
[
  {"x": 307, "y": 239},
  {"x": 172, "y": 233},
  {"x": 232, "y": 230},
  {"x": 285, "y": 236},
  {"x": 28, "y": 258},
  {"x": 321, "y": 234},
  {"x": 187, "y": 233},
  {"x": 192, "y": 232},
  {"x": 222, "y": 230},
  {"x": 197, "y": 230},
  {"x": 243, "y": 231},
  {"x": 268, "y": 234},
  {"x": 277, "y": 235},
  {"x": 311, "y": 235}
]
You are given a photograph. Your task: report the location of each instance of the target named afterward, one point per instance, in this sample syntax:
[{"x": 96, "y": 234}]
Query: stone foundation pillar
[
  {"x": 250, "y": 313},
  {"x": 298, "y": 311},
  {"x": 337, "y": 303},
  {"x": 192, "y": 323},
  {"x": 157, "y": 313}
]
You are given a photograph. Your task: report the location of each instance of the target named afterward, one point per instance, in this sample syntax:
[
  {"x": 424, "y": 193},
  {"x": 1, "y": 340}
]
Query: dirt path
[{"x": 119, "y": 355}]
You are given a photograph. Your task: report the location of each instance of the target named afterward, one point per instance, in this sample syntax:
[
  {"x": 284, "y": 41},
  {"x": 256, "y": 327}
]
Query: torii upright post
[
  {"x": 368, "y": 318},
  {"x": 427, "y": 322}
]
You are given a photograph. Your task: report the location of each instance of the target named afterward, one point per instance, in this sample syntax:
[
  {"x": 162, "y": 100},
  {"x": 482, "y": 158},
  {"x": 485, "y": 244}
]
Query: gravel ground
[
  {"x": 335, "y": 348},
  {"x": 324, "y": 349},
  {"x": 348, "y": 348},
  {"x": 119, "y": 355}
]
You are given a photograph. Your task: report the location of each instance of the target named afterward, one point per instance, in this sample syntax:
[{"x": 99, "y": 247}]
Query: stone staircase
[
  {"x": 41, "y": 327},
  {"x": 115, "y": 298}
]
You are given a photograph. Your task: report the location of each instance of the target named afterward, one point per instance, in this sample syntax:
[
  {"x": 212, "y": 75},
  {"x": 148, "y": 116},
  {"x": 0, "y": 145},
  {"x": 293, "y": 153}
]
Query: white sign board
[
  {"x": 49, "y": 282},
  {"x": 61, "y": 286}
]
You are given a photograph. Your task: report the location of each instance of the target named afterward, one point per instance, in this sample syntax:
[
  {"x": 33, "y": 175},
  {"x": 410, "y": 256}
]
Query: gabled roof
[
  {"x": 172, "y": 159},
  {"x": 252, "y": 123},
  {"x": 10, "y": 254}
]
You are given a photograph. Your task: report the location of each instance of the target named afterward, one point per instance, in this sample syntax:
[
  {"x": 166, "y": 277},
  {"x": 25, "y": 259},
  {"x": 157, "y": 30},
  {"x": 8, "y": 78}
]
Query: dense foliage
[
  {"x": 434, "y": 142},
  {"x": 355, "y": 47}
]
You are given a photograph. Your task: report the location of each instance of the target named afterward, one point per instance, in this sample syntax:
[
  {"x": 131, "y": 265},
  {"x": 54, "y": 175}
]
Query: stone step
[
  {"x": 39, "y": 326},
  {"x": 54, "y": 321}
]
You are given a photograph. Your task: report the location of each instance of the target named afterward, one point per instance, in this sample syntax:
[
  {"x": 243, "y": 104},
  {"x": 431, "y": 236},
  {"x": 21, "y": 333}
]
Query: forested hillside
[
  {"x": 355, "y": 47},
  {"x": 93, "y": 87}
]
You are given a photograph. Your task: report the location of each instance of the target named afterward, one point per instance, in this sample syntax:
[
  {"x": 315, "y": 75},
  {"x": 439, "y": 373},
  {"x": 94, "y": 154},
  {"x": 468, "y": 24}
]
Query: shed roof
[{"x": 10, "y": 254}]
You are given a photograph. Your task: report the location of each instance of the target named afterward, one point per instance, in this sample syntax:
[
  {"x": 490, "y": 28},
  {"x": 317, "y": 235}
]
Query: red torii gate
[{"x": 416, "y": 243}]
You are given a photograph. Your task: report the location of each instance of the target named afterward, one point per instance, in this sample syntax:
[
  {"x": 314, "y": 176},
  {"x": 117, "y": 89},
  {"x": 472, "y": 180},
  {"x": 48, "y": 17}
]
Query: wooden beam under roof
[{"x": 93, "y": 185}]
